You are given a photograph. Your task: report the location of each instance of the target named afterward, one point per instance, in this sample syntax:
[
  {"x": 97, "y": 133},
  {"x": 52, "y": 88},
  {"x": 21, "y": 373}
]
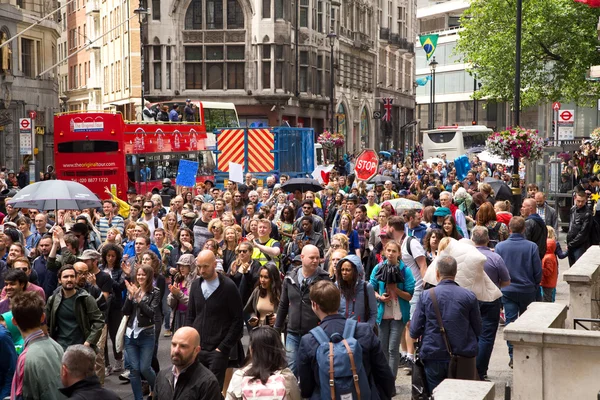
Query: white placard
[
  {"x": 236, "y": 172},
  {"x": 566, "y": 133}
]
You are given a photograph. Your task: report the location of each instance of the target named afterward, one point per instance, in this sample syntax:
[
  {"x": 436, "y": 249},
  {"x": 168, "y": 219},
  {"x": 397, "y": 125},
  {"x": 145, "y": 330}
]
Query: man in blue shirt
[
  {"x": 522, "y": 259},
  {"x": 490, "y": 311},
  {"x": 174, "y": 113},
  {"x": 459, "y": 311}
]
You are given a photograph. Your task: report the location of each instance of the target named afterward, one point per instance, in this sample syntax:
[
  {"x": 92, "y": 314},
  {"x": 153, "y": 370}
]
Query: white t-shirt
[{"x": 417, "y": 250}]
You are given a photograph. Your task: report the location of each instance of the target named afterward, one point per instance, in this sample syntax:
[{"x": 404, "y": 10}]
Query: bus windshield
[{"x": 474, "y": 142}]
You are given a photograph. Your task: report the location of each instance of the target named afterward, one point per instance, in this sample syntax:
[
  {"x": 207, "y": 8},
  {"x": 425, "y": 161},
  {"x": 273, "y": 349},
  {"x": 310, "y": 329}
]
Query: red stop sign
[{"x": 366, "y": 166}]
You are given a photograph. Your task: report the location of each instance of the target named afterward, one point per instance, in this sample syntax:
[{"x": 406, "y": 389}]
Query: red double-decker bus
[{"x": 100, "y": 149}]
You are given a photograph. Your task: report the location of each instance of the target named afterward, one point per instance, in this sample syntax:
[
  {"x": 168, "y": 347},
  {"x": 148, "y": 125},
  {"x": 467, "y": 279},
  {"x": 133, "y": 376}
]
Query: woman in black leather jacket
[{"x": 142, "y": 300}]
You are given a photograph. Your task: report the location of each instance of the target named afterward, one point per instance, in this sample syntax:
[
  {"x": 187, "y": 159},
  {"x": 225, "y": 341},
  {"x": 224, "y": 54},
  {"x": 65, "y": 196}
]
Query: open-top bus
[{"x": 100, "y": 149}]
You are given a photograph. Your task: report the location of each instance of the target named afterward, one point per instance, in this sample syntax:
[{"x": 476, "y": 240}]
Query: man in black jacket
[
  {"x": 295, "y": 301},
  {"x": 535, "y": 227},
  {"x": 325, "y": 301},
  {"x": 215, "y": 310},
  {"x": 77, "y": 375},
  {"x": 194, "y": 380},
  {"x": 580, "y": 228}
]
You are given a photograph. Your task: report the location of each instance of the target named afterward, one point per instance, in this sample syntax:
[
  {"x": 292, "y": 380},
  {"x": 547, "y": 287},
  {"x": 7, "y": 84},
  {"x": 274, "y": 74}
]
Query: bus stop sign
[{"x": 367, "y": 164}]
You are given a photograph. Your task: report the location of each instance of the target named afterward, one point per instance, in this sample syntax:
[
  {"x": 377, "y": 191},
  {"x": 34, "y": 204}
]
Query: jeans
[
  {"x": 490, "y": 318},
  {"x": 292, "y": 342},
  {"x": 390, "y": 332},
  {"x": 115, "y": 315},
  {"x": 166, "y": 311},
  {"x": 216, "y": 362},
  {"x": 435, "y": 372},
  {"x": 139, "y": 354},
  {"x": 515, "y": 304},
  {"x": 575, "y": 253}
]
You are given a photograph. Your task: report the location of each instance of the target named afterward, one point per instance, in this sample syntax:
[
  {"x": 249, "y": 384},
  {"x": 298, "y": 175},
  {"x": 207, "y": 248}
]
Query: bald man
[
  {"x": 535, "y": 226},
  {"x": 187, "y": 378},
  {"x": 295, "y": 301},
  {"x": 215, "y": 311}
]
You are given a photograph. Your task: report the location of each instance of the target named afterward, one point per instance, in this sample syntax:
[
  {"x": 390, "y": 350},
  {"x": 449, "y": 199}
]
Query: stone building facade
[{"x": 25, "y": 85}]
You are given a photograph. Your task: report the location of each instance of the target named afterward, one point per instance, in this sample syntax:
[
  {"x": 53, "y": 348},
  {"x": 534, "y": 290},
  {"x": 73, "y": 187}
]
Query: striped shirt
[{"x": 103, "y": 226}]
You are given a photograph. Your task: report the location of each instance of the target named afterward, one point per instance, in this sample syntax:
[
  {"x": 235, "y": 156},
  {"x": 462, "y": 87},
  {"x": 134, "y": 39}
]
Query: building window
[
  {"x": 304, "y": 13},
  {"x": 157, "y": 66},
  {"x": 193, "y": 16},
  {"x": 235, "y": 15},
  {"x": 279, "y": 63},
  {"x": 304, "y": 71},
  {"x": 319, "y": 86},
  {"x": 28, "y": 57},
  {"x": 214, "y": 74},
  {"x": 266, "y": 66},
  {"x": 266, "y": 8},
  {"x": 279, "y": 9},
  {"x": 193, "y": 67},
  {"x": 235, "y": 76},
  {"x": 156, "y": 10},
  {"x": 214, "y": 14},
  {"x": 168, "y": 77},
  {"x": 320, "y": 17}
]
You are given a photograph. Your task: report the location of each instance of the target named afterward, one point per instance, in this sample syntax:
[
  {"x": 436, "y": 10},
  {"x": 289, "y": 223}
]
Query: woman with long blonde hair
[{"x": 170, "y": 224}]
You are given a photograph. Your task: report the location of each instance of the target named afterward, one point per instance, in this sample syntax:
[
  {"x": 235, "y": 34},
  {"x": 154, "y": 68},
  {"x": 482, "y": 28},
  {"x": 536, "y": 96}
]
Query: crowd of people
[{"x": 361, "y": 273}]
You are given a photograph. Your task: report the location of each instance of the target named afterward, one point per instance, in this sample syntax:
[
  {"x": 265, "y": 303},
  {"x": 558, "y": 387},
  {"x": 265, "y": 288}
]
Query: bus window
[
  {"x": 88, "y": 146},
  {"x": 220, "y": 118},
  {"x": 441, "y": 137},
  {"x": 474, "y": 141}
]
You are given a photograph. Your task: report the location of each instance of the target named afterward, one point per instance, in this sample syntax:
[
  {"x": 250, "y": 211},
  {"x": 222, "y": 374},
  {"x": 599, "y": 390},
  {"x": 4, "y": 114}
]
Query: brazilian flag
[{"x": 429, "y": 43}]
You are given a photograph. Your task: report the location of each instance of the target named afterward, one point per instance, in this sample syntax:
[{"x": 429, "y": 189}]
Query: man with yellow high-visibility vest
[{"x": 265, "y": 248}]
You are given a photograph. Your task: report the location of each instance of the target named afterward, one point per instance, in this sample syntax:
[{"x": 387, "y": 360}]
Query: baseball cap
[
  {"x": 352, "y": 197},
  {"x": 89, "y": 254},
  {"x": 131, "y": 190},
  {"x": 190, "y": 215},
  {"x": 186, "y": 259},
  {"x": 188, "y": 100},
  {"x": 242, "y": 188},
  {"x": 298, "y": 258}
]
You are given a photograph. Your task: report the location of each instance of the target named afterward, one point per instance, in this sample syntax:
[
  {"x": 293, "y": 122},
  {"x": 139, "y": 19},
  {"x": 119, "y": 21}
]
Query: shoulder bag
[{"x": 460, "y": 367}]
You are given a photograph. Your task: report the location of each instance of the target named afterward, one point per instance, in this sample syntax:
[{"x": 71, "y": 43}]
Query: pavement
[{"x": 498, "y": 372}]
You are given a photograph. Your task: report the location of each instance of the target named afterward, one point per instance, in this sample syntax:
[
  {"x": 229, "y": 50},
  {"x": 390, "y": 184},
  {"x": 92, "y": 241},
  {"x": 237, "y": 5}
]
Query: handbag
[
  {"x": 418, "y": 379},
  {"x": 120, "y": 339},
  {"x": 460, "y": 367}
]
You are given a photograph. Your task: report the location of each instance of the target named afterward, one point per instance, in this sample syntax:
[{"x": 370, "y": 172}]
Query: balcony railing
[{"x": 384, "y": 33}]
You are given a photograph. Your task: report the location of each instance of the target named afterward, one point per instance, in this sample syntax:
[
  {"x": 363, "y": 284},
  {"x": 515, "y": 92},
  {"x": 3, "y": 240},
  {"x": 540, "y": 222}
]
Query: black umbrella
[
  {"x": 501, "y": 189},
  {"x": 302, "y": 184},
  {"x": 55, "y": 195},
  {"x": 380, "y": 179},
  {"x": 389, "y": 274}
]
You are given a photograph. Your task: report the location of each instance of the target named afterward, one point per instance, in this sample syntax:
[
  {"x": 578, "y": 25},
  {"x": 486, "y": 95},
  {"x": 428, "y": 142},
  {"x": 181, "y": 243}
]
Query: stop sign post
[{"x": 367, "y": 164}]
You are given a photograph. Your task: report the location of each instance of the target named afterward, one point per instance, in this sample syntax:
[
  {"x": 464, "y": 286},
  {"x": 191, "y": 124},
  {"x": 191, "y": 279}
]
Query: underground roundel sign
[{"x": 366, "y": 165}]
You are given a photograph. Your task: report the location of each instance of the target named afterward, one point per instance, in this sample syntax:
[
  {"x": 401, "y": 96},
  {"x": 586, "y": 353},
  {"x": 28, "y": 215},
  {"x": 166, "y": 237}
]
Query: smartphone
[{"x": 253, "y": 320}]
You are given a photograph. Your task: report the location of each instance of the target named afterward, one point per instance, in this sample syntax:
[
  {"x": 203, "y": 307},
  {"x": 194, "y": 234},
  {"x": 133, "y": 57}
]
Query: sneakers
[
  {"x": 168, "y": 333},
  {"x": 108, "y": 370},
  {"x": 402, "y": 362},
  {"x": 510, "y": 363},
  {"x": 145, "y": 388},
  {"x": 124, "y": 376},
  {"x": 118, "y": 366},
  {"x": 502, "y": 319},
  {"x": 409, "y": 366}
]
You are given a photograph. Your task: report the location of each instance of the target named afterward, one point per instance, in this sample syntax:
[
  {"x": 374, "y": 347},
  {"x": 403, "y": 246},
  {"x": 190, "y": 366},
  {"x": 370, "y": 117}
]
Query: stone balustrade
[
  {"x": 584, "y": 287},
  {"x": 551, "y": 362},
  {"x": 456, "y": 389}
]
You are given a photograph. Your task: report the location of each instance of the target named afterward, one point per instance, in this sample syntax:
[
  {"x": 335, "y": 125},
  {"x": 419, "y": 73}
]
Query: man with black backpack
[{"x": 355, "y": 350}]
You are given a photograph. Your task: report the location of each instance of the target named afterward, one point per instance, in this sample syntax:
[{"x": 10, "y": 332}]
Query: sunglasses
[
  {"x": 243, "y": 251},
  {"x": 335, "y": 246}
]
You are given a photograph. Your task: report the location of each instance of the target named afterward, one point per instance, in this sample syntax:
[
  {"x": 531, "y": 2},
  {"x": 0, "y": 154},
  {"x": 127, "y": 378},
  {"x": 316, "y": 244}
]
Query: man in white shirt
[{"x": 149, "y": 219}]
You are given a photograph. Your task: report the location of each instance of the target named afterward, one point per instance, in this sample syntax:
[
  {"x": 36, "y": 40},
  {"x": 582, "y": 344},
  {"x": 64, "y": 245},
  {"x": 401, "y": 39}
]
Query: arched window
[
  {"x": 235, "y": 15},
  {"x": 364, "y": 128},
  {"x": 193, "y": 16}
]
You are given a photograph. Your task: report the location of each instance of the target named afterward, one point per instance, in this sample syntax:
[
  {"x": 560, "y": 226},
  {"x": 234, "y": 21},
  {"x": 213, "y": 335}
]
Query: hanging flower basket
[
  {"x": 595, "y": 137},
  {"x": 330, "y": 141},
  {"x": 516, "y": 142}
]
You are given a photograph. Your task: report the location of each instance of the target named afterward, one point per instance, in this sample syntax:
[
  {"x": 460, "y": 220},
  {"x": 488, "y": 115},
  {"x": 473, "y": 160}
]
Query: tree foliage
[{"x": 559, "y": 40}]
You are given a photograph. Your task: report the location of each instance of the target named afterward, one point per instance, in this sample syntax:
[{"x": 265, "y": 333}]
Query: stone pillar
[
  {"x": 584, "y": 286},
  {"x": 456, "y": 389}
]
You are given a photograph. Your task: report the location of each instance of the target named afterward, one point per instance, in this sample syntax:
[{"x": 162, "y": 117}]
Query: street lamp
[
  {"x": 516, "y": 184},
  {"x": 331, "y": 36},
  {"x": 141, "y": 12},
  {"x": 432, "y": 66}
]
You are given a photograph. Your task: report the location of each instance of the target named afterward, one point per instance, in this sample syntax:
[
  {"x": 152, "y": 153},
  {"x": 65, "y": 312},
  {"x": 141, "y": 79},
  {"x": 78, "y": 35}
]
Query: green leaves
[{"x": 559, "y": 40}]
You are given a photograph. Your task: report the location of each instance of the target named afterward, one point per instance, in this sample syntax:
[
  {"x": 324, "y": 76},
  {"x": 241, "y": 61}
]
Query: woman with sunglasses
[
  {"x": 216, "y": 228},
  {"x": 339, "y": 241},
  {"x": 381, "y": 227},
  {"x": 244, "y": 270},
  {"x": 263, "y": 302}
]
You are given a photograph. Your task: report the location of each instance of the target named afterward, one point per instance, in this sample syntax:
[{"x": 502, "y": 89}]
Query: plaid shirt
[{"x": 363, "y": 228}]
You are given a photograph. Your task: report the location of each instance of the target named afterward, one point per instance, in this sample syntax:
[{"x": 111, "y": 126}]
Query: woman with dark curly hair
[{"x": 264, "y": 300}]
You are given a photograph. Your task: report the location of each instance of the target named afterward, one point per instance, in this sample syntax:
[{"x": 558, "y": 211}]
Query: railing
[{"x": 384, "y": 33}]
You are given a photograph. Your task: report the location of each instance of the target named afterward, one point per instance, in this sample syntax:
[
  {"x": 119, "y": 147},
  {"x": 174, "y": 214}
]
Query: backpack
[
  {"x": 273, "y": 389},
  {"x": 494, "y": 235},
  {"x": 339, "y": 359}
]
